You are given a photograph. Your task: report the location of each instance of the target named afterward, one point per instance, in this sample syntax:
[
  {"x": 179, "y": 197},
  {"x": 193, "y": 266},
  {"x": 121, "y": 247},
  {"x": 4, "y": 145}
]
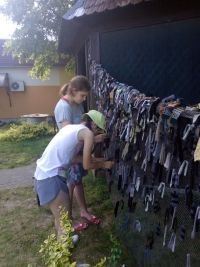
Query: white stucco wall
[{"x": 21, "y": 74}]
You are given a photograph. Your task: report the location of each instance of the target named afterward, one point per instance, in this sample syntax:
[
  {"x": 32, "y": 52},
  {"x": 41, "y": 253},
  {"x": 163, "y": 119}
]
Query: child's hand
[
  {"x": 100, "y": 138},
  {"x": 109, "y": 164}
]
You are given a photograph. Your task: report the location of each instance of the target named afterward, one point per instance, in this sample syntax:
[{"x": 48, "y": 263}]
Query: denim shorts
[{"x": 48, "y": 189}]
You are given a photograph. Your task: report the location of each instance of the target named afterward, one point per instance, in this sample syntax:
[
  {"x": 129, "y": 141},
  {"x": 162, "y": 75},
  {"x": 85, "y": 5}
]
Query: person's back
[
  {"x": 59, "y": 152},
  {"x": 64, "y": 112}
]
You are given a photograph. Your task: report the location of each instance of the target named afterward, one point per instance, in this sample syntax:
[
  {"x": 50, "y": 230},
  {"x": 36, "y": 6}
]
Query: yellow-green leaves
[
  {"x": 57, "y": 252},
  {"x": 27, "y": 131}
]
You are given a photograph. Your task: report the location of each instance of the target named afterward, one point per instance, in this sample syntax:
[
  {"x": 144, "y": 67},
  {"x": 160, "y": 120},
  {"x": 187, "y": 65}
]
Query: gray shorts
[{"x": 49, "y": 188}]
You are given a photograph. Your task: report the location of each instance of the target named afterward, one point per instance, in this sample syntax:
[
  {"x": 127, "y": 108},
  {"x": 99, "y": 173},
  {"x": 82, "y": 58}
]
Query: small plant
[
  {"x": 116, "y": 252},
  {"x": 26, "y": 131},
  {"x": 101, "y": 263},
  {"x": 57, "y": 252}
]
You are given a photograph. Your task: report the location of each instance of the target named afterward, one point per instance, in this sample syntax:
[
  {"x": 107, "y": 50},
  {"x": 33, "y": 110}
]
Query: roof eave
[{"x": 69, "y": 29}]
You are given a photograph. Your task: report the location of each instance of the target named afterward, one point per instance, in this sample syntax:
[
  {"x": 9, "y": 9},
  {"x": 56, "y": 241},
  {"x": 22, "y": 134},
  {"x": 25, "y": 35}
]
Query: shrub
[
  {"x": 27, "y": 131},
  {"x": 57, "y": 252}
]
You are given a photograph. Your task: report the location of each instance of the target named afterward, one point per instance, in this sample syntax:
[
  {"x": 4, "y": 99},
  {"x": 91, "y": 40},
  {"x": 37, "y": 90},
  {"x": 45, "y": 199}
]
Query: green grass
[
  {"x": 20, "y": 153},
  {"x": 24, "y": 227}
]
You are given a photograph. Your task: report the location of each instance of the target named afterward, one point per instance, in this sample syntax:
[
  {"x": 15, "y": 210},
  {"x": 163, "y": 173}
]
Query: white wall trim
[{"x": 21, "y": 74}]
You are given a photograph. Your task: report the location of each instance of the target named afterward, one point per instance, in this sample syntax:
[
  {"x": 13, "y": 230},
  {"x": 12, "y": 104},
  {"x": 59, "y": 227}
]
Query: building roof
[
  {"x": 8, "y": 61},
  {"x": 88, "y": 7},
  {"x": 89, "y": 16},
  {"x": 79, "y": 20}
]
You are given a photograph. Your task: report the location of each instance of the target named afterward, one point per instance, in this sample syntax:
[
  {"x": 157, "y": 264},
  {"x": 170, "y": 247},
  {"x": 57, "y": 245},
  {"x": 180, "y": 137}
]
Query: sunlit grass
[
  {"x": 24, "y": 227},
  {"x": 21, "y": 153}
]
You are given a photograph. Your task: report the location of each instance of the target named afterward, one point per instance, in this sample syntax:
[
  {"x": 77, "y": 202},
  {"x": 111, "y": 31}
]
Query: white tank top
[{"x": 60, "y": 151}]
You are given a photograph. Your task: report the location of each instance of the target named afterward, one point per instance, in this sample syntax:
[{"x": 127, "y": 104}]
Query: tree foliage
[{"x": 36, "y": 38}]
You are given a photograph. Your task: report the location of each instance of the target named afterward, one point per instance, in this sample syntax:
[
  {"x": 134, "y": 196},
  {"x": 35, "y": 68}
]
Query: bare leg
[
  {"x": 63, "y": 200},
  {"x": 71, "y": 191},
  {"x": 79, "y": 193}
]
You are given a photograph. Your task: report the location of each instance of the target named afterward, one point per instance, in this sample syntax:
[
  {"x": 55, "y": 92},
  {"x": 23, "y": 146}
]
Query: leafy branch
[{"x": 36, "y": 38}]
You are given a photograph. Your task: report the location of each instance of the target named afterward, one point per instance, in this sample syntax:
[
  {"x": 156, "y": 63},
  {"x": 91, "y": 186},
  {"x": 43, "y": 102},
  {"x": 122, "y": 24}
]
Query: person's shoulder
[
  {"x": 58, "y": 104},
  {"x": 87, "y": 132},
  {"x": 83, "y": 132},
  {"x": 62, "y": 102},
  {"x": 81, "y": 126},
  {"x": 62, "y": 105},
  {"x": 84, "y": 129}
]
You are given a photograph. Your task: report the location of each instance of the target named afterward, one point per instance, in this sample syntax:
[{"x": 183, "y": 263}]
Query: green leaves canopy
[{"x": 37, "y": 36}]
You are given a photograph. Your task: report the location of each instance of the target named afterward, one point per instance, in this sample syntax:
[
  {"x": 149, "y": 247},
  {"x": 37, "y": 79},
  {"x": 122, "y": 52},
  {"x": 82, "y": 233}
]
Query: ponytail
[
  {"x": 78, "y": 83},
  {"x": 63, "y": 90}
]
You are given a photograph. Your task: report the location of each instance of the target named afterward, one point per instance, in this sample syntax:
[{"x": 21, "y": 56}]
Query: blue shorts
[{"x": 76, "y": 173}]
